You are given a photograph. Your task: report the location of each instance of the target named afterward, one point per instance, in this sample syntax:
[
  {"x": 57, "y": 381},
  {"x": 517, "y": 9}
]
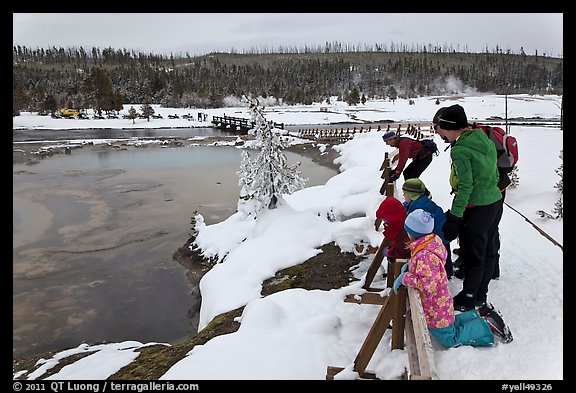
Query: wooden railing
[
  {"x": 418, "y": 343},
  {"x": 238, "y": 124},
  {"x": 402, "y": 310},
  {"x": 343, "y": 134}
]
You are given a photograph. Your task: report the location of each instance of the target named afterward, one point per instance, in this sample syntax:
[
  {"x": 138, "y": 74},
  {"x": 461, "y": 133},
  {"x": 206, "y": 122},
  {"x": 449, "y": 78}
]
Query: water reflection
[
  {"x": 93, "y": 238},
  {"x": 56, "y": 135}
]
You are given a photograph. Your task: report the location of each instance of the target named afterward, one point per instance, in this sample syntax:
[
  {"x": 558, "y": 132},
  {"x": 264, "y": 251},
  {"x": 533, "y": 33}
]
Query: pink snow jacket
[{"x": 427, "y": 274}]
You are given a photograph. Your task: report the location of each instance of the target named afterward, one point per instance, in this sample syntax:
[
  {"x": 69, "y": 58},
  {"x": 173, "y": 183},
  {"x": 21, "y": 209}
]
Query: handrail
[{"x": 420, "y": 346}]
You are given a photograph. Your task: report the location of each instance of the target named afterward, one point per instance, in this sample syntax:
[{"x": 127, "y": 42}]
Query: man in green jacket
[{"x": 475, "y": 212}]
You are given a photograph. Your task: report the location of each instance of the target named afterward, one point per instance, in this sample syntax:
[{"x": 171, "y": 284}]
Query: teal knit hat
[{"x": 414, "y": 188}]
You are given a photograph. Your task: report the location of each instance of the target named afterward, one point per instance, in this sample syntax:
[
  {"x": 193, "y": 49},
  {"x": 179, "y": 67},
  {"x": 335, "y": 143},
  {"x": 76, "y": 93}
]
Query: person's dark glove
[
  {"x": 393, "y": 175},
  {"x": 451, "y": 227},
  {"x": 504, "y": 181}
]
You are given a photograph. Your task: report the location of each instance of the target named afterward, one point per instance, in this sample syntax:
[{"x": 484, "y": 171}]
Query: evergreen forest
[{"x": 45, "y": 79}]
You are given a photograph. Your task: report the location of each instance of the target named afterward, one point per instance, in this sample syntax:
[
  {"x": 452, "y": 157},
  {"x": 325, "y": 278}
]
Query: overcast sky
[{"x": 199, "y": 33}]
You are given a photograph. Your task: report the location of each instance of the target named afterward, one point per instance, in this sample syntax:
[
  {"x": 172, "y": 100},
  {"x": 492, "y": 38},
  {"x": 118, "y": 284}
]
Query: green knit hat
[{"x": 414, "y": 188}]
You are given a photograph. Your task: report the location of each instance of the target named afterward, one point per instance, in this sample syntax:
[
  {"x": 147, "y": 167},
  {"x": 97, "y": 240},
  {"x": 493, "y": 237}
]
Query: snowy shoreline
[{"x": 521, "y": 108}]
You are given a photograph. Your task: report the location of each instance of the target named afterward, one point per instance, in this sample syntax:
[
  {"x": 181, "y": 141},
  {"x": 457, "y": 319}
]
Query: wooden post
[
  {"x": 394, "y": 309},
  {"x": 399, "y": 310},
  {"x": 388, "y": 186},
  {"x": 384, "y": 188},
  {"x": 385, "y": 162},
  {"x": 391, "y": 310},
  {"x": 385, "y": 172},
  {"x": 374, "y": 336},
  {"x": 332, "y": 371},
  {"x": 377, "y": 223},
  {"x": 390, "y": 191},
  {"x": 390, "y": 269},
  {"x": 373, "y": 269}
]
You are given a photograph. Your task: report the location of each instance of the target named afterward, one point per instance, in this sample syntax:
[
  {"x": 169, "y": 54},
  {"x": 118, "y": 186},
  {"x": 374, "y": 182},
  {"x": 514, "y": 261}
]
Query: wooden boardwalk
[
  {"x": 237, "y": 124},
  {"x": 343, "y": 134}
]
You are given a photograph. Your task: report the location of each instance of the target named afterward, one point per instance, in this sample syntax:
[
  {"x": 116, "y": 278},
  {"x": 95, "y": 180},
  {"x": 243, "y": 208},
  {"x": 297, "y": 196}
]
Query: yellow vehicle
[{"x": 66, "y": 112}]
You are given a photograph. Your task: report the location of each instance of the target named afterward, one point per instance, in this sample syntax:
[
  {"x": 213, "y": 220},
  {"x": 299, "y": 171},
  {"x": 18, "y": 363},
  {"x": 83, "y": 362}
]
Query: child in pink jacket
[{"x": 425, "y": 272}]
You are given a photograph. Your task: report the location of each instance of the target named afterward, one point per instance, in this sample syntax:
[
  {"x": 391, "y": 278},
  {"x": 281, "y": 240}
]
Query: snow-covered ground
[
  {"x": 296, "y": 334},
  {"x": 477, "y": 107}
]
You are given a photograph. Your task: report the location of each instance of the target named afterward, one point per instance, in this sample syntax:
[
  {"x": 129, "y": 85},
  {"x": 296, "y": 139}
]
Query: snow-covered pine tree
[
  {"x": 132, "y": 114},
  {"x": 514, "y": 178},
  {"x": 559, "y": 205},
  {"x": 266, "y": 178}
]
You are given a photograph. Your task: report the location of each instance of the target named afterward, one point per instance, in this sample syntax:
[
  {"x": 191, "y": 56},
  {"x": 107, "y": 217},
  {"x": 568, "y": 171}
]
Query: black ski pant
[
  {"x": 479, "y": 246},
  {"x": 448, "y": 265},
  {"x": 416, "y": 167},
  {"x": 496, "y": 272}
]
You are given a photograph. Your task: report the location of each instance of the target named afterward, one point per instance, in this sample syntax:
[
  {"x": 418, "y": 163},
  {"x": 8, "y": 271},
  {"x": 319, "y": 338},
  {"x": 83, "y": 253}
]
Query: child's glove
[
  {"x": 404, "y": 268},
  {"x": 398, "y": 282},
  {"x": 393, "y": 175}
]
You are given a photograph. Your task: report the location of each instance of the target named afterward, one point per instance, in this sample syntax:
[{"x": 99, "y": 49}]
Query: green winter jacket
[{"x": 473, "y": 173}]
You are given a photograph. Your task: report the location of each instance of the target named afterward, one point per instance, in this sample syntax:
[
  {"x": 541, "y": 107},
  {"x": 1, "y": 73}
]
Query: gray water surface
[
  {"x": 107, "y": 133},
  {"x": 93, "y": 237}
]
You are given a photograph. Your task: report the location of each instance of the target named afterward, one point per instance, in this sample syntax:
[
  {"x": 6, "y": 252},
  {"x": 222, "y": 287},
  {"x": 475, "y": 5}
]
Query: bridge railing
[
  {"x": 237, "y": 123},
  {"x": 343, "y": 134}
]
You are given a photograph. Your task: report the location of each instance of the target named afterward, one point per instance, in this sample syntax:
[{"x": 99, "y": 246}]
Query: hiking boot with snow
[
  {"x": 464, "y": 302},
  {"x": 486, "y": 308},
  {"x": 480, "y": 303},
  {"x": 496, "y": 322}
]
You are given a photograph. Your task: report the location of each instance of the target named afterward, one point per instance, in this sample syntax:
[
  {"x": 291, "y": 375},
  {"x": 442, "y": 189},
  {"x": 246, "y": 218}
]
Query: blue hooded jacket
[{"x": 427, "y": 204}]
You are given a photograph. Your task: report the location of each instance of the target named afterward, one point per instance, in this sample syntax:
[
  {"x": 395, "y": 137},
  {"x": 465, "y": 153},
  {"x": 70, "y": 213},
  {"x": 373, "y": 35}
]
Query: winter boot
[
  {"x": 496, "y": 322},
  {"x": 464, "y": 302},
  {"x": 480, "y": 303}
]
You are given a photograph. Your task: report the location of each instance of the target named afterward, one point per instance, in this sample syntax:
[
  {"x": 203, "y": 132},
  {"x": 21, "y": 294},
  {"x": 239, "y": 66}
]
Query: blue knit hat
[
  {"x": 389, "y": 135},
  {"x": 419, "y": 223}
]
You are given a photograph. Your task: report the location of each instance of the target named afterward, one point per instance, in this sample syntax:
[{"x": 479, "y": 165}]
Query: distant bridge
[{"x": 237, "y": 124}]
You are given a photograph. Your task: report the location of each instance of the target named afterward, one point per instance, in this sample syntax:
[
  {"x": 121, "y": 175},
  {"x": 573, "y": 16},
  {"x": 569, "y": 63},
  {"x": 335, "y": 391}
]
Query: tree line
[{"x": 104, "y": 79}]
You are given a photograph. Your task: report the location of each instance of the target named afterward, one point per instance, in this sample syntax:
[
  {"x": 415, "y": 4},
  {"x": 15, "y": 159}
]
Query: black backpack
[{"x": 430, "y": 145}]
